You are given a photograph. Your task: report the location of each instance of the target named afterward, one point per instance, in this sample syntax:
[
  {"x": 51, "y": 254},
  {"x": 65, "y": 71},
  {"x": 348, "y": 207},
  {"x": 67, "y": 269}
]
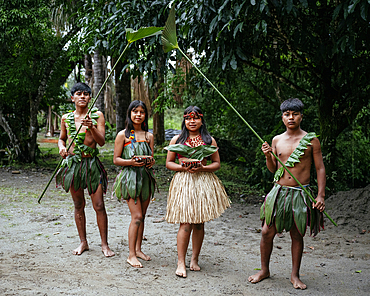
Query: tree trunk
[
  {"x": 158, "y": 118},
  {"x": 98, "y": 81},
  {"x": 34, "y": 127},
  {"x": 88, "y": 70},
  {"x": 13, "y": 138},
  {"x": 123, "y": 94}
]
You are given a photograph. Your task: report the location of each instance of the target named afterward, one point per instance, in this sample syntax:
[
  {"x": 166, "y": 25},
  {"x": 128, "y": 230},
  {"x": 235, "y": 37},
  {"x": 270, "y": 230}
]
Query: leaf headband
[{"x": 192, "y": 114}]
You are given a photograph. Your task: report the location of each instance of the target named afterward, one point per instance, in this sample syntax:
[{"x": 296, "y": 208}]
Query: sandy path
[{"x": 36, "y": 243}]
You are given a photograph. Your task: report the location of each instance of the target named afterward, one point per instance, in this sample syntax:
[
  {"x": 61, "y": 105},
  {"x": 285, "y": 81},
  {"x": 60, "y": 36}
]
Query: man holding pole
[
  {"x": 287, "y": 206},
  {"x": 81, "y": 168}
]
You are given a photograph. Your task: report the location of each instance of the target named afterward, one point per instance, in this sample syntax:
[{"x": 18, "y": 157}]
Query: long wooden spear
[
  {"x": 169, "y": 42},
  {"x": 131, "y": 36}
]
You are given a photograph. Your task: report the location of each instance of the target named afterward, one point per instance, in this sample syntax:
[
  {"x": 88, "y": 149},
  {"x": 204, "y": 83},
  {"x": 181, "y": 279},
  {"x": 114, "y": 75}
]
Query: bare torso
[
  {"x": 89, "y": 139},
  {"x": 283, "y": 145}
]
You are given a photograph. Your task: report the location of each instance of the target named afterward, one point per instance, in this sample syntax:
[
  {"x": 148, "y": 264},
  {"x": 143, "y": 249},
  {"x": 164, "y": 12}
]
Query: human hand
[
  {"x": 150, "y": 162},
  {"x": 320, "y": 204},
  {"x": 266, "y": 149},
  {"x": 195, "y": 168},
  {"x": 63, "y": 152},
  {"x": 87, "y": 122},
  {"x": 137, "y": 162}
]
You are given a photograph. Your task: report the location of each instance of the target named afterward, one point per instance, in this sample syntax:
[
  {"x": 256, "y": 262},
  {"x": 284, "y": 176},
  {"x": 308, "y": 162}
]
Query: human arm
[
  {"x": 151, "y": 144},
  {"x": 321, "y": 174},
  {"x": 98, "y": 130},
  {"x": 171, "y": 157},
  {"x": 119, "y": 144},
  {"x": 270, "y": 159},
  {"x": 63, "y": 138}
]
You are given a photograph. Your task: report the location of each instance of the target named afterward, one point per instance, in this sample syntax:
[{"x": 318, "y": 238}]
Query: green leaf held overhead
[
  {"x": 132, "y": 35},
  {"x": 169, "y": 39}
]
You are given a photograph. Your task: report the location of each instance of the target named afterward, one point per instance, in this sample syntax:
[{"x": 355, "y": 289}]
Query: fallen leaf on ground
[{"x": 159, "y": 220}]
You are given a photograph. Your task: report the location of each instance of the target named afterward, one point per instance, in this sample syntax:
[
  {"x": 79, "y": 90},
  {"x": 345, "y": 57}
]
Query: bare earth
[{"x": 36, "y": 243}]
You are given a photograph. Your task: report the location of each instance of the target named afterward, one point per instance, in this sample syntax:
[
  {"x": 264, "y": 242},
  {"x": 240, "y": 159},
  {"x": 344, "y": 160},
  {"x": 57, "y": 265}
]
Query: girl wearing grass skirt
[
  {"x": 196, "y": 195},
  {"x": 133, "y": 150}
]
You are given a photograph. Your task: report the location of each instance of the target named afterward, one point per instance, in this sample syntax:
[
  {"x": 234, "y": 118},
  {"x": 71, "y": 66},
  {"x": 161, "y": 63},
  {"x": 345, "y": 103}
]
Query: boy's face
[
  {"x": 292, "y": 119},
  {"x": 81, "y": 98}
]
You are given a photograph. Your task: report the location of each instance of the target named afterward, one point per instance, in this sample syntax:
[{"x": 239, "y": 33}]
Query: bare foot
[
  {"x": 297, "y": 283},
  {"x": 194, "y": 265},
  {"x": 181, "y": 270},
  {"x": 134, "y": 262},
  {"x": 259, "y": 276},
  {"x": 141, "y": 255},
  {"x": 81, "y": 248},
  {"x": 107, "y": 251}
]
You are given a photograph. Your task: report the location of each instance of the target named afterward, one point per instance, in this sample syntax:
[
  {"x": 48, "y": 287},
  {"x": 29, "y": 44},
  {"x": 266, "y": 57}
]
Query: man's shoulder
[{"x": 65, "y": 115}]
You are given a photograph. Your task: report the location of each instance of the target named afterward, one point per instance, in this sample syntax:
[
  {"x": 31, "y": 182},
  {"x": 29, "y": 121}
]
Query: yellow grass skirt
[{"x": 195, "y": 198}]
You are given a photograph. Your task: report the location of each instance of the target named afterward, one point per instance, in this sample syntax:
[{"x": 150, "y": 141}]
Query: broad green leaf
[
  {"x": 198, "y": 153},
  {"x": 132, "y": 35},
  {"x": 299, "y": 212},
  {"x": 169, "y": 38}
]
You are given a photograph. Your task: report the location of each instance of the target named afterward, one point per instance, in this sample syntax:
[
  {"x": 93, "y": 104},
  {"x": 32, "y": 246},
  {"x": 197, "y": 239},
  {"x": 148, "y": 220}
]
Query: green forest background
[{"x": 258, "y": 53}]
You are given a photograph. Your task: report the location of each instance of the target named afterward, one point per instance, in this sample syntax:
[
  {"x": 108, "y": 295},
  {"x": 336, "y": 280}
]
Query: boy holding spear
[
  {"x": 81, "y": 168},
  {"x": 287, "y": 206}
]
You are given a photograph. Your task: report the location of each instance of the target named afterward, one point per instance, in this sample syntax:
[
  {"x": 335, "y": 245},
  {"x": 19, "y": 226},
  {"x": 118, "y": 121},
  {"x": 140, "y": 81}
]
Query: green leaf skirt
[
  {"x": 87, "y": 173},
  {"x": 195, "y": 198},
  {"x": 133, "y": 182},
  {"x": 288, "y": 206}
]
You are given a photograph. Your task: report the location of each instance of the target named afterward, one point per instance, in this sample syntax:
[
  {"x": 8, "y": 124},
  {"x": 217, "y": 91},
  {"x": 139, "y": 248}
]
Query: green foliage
[
  {"x": 172, "y": 119},
  {"x": 110, "y": 131},
  {"x": 33, "y": 66},
  {"x": 319, "y": 50}
]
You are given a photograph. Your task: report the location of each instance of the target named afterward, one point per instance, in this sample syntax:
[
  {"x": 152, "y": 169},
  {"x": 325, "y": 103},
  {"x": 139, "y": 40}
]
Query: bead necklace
[{"x": 195, "y": 142}]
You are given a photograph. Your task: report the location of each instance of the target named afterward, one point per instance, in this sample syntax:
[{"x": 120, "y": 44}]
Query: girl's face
[
  {"x": 193, "y": 123},
  {"x": 138, "y": 115}
]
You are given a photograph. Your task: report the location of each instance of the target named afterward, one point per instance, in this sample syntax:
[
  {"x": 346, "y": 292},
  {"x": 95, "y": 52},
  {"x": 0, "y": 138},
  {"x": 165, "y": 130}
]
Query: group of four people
[{"x": 195, "y": 195}]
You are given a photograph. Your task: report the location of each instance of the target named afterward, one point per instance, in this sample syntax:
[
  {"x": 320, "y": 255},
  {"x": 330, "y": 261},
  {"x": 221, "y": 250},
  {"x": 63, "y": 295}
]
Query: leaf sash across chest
[
  {"x": 80, "y": 138},
  {"x": 296, "y": 154}
]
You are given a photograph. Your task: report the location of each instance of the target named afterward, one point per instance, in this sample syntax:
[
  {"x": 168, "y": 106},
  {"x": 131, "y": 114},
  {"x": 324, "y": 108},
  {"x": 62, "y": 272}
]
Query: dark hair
[
  {"x": 292, "y": 105},
  {"x": 206, "y": 137},
  {"x": 128, "y": 124},
  {"x": 80, "y": 86}
]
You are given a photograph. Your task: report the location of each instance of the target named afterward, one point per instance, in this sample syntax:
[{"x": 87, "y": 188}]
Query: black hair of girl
[
  {"x": 206, "y": 137},
  {"x": 128, "y": 124},
  {"x": 292, "y": 104}
]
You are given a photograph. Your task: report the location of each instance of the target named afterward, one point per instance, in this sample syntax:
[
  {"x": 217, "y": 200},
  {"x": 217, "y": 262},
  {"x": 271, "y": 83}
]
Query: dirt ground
[{"x": 36, "y": 243}]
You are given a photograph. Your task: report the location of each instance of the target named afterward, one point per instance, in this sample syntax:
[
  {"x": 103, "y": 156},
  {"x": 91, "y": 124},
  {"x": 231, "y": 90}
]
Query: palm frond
[
  {"x": 169, "y": 38},
  {"x": 132, "y": 35}
]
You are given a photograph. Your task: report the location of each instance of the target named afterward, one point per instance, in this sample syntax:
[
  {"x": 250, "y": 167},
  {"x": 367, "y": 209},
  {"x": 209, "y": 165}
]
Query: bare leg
[
  {"x": 102, "y": 220},
  {"x": 80, "y": 219},
  {"x": 266, "y": 245},
  {"x": 197, "y": 241},
  {"x": 139, "y": 253},
  {"x": 297, "y": 250},
  {"x": 183, "y": 237},
  {"x": 133, "y": 230}
]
